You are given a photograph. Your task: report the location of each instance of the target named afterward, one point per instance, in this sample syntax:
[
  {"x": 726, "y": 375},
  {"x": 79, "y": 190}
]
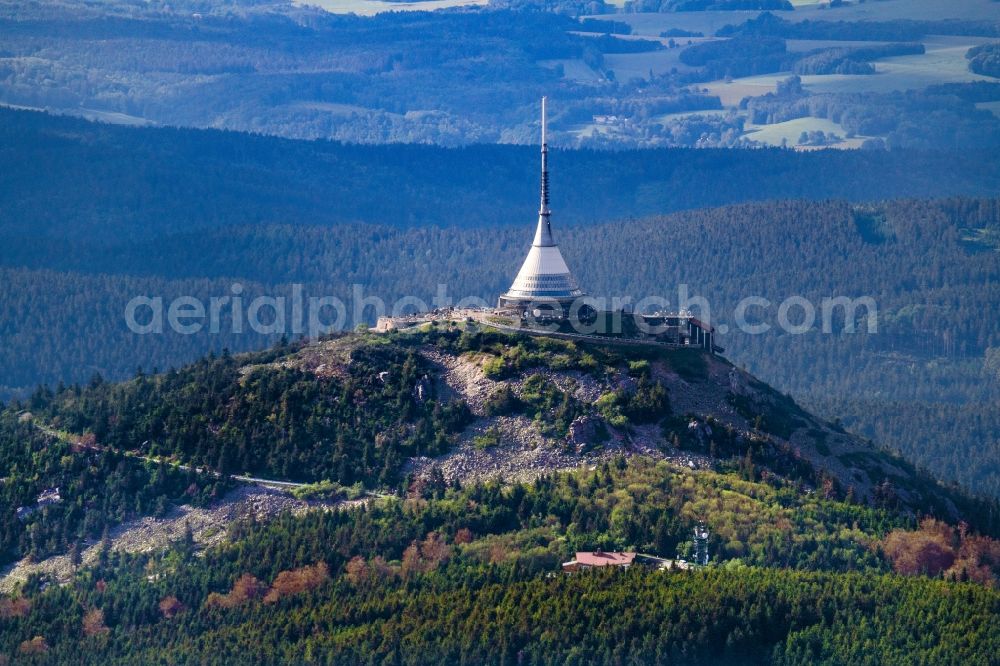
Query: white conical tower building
[{"x": 544, "y": 277}]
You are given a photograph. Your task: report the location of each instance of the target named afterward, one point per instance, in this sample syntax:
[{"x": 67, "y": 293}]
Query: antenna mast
[{"x": 544, "y": 209}]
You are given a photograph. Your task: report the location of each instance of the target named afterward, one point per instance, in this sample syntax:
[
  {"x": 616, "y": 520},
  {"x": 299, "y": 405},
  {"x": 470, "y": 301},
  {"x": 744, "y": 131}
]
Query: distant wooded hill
[{"x": 72, "y": 180}]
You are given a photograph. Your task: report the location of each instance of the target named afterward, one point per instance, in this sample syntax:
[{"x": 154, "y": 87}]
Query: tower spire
[{"x": 543, "y": 235}]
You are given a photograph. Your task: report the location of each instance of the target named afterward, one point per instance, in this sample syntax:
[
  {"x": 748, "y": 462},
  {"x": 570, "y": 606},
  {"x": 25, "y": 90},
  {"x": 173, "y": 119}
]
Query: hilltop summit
[{"x": 457, "y": 402}]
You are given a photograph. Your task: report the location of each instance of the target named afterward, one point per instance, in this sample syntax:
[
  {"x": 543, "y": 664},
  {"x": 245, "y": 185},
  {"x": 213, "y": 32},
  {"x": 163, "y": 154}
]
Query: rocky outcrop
[
  {"x": 710, "y": 393},
  {"x": 462, "y": 377},
  {"x": 587, "y": 431}
]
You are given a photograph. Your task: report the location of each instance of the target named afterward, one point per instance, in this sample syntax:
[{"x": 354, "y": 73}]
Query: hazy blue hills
[{"x": 71, "y": 179}]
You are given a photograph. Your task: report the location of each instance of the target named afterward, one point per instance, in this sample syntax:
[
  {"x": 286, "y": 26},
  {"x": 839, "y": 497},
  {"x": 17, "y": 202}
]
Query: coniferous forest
[{"x": 466, "y": 576}]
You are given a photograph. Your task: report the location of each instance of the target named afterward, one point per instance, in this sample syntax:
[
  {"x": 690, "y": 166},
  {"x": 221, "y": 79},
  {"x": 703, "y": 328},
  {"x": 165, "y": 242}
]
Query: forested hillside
[
  {"x": 810, "y": 529},
  {"x": 356, "y": 410},
  {"x": 389, "y": 412},
  {"x": 471, "y": 575},
  {"x": 97, "y": 489}
]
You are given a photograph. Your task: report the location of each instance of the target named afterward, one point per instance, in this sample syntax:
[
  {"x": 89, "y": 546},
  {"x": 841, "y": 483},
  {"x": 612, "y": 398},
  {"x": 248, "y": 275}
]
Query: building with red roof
[{"x": 599, "y": 558}]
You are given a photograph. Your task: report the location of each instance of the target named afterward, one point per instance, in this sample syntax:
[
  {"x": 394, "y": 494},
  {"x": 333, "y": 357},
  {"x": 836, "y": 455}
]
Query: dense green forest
[
  {"x": 254, "y": 157},
  {"x": 435, "y": 571},
  {"x": 281, "y": 421},
  {"x": 985, "y": 59},
  {"x": 470, "y": 576},
  {"x": 761, "y": 54},
  {"x": 97, "y": 489}
]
